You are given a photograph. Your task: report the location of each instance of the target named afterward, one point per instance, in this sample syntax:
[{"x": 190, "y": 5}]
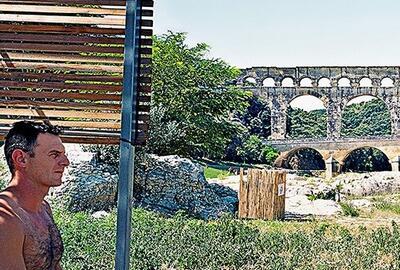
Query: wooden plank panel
[
  {"x": 5, "y": 63},
  {"x": 147, "y": 3},
  {"x": 60, "y": 9},
  {"x": 109, "y": 20},
  {"x": 37, "y": 47},
  {"x": 16, "y": 37},
  {"x": 75, "y": 124},
  {"x": 61, "y": 57},
  {"x": 57, "y": 85},
  {"x": 69, "y": 2},
  {"x": 59, "y": 113},
  {"x": 57, "y": 105},
  {"x": 63, "y": 77},
  {"x": 33, "y": 28},
  {"x": 58, "y": 95},
  {"x": 90, "y": 140}
]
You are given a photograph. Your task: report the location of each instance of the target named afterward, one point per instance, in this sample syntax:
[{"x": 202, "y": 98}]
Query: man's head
[{"x": 23, "y": 136}]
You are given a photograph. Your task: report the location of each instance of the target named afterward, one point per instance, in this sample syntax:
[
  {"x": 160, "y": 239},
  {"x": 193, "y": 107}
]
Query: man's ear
[{"x": 19, "y": 158}]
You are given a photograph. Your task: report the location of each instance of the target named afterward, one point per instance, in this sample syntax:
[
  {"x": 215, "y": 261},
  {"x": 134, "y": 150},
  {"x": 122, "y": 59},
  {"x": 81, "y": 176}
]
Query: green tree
[
  {"x": 195, "y": 97},
  {"x": 303, "y": 124},
  {"x": 253, "y": 150},
  {"x": 371, "y": 118}
]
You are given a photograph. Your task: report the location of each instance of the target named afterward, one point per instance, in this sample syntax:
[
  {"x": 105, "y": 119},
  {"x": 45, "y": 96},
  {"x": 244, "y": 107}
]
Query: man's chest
[{"x": 42, "y": 247}]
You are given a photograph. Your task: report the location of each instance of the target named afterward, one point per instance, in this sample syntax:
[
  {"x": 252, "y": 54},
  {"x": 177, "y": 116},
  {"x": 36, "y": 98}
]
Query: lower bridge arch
[
  {"x": 365, "y": 159},
  {"x": 301, "y": 158}
]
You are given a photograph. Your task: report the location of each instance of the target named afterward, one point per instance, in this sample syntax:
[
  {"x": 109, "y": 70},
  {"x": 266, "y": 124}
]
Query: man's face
[{"x": 47, "y": 166}]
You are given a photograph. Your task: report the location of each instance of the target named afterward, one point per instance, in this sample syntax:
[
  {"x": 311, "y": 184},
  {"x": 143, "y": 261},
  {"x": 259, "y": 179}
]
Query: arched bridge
[{"x": 335, "y": 87}]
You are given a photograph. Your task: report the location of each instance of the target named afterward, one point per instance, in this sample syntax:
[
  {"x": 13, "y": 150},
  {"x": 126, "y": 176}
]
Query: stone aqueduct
[{"x": 335, "y": 87}]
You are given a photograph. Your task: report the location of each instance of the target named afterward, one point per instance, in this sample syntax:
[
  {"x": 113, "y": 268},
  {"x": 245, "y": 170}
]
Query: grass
[
  {"x": 210, "y": 172},
  {"x": 349, "y": 210},
  {"x": 389, "y": 207},
  {"x": 185, "y": 243}
]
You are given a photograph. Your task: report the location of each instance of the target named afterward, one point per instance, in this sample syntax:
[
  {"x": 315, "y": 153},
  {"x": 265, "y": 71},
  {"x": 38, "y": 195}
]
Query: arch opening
[
  {"x": 304, "y": 159},
  {"x": 365, "y": 82},
  {"x": 250, "y": 81},
  {"x": 344, "y": 82},
  {"x": 324, "y": 82},
  {"x": 307, "y": 118},
  {"x": 306, "y": 82},
  {"x": 287, "y": 82},
  {"x": 366, "y": 159},
  {"x": 387, "y": 82},
  {"x": 366, "y": 116},
  {"x": 269, "y": 82}
]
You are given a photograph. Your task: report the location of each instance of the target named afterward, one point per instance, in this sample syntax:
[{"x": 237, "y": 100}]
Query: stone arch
[
  {"x": 306, "y": 116},
  {"x": 250, "y": 80},
  {"x": 344, "y": 82},
  {"x": 378, "y": 158},
  {"x": 299, "y": 159},
  {"x": 365, "y": 82},
  {"x": 268, "y": 82},
  {"x": 387, "y": 82},
  {"x": 347, "y": 123},
  {"x": 287, "y": 82},
  {"x": 324, "y": 82},
  {"x": 300, "y": 94},
  {"x": 306, "y": 82}
]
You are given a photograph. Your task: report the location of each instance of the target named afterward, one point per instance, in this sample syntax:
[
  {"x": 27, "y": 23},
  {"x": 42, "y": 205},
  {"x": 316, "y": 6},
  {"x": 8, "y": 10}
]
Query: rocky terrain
[
  {"x": 317, "y": 197},
  {"x": 170, "y": 184}
]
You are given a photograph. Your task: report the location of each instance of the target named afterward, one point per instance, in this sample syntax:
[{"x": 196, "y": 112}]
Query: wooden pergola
[{"x": 83, "y": 65}]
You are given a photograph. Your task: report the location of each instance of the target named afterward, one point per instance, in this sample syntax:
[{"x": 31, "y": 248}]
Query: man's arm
[{"x": 12, "y": 240}]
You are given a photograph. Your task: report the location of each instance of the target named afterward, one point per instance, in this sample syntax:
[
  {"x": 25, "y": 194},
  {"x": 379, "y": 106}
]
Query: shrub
[
  {"x": 253, "y": 150},
  {"x": 349, "y": 210}
]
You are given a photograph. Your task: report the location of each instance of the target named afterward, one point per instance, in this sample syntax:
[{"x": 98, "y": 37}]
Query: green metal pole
[{"x": 128, "y": 126}]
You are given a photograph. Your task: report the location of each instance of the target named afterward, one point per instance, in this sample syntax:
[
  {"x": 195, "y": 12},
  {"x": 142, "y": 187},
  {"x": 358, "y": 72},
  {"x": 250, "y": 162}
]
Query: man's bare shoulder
[
  {"x": 8, "y": 218},
  {"x": 11, "y": 234}
]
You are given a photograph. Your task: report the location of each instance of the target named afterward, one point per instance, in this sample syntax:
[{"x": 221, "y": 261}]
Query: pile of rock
[{"x": 165, "y": 184}]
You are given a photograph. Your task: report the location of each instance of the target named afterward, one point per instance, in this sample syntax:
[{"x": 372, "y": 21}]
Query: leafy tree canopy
[
  {"x": 193, "y": 96},
  {"x": 370, "y": 118},
  {"x": 303, "y": 124}
]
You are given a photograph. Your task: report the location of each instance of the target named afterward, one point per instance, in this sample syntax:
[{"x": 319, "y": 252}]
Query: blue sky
[{"x": 288, "y": 32}]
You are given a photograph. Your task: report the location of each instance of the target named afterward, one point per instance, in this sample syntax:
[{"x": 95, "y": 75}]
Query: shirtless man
[{"x": 29, "y": 239}]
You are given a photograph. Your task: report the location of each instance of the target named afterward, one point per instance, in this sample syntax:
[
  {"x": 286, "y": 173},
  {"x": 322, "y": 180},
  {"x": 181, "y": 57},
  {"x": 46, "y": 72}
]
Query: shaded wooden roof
[{"x": 63, "y": 61}]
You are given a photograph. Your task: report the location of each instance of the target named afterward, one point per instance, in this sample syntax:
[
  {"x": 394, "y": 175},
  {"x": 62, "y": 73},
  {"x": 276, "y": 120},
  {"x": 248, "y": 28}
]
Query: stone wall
[{"x": 335, "y": 95}]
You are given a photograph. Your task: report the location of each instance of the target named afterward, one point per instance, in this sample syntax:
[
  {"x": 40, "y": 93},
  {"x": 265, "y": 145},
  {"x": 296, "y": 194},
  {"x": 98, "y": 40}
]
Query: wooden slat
[
  {"x": 69, "y": 2},
  {"x": 59, "y": 113},
  {"x": 4, "y": 63},
  {"x": 90, "y": 140},
  {"x": 81, "y": 30},
  {"x": 27, "y": 28},
  {"x": 37, "y": 47},
  {"x": 57, "y": 105},
  {"x": 75, "y": 124},
  {"x": 147, "y": 3},
  {"x": 60, "y": 58},
  {"x": 63, "y": 19},
  {"x": 63, "y": 77},
  {"x": 58, "y": 95},
  {"x": 60, "y": 9},
  {"x": 57, "y": 85},
  {"x": 143, "y": 113},
  {"x": 59, "y": 38}
]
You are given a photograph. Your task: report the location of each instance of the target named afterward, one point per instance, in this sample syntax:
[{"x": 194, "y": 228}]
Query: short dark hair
[{"x": 23, "y": 135}]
